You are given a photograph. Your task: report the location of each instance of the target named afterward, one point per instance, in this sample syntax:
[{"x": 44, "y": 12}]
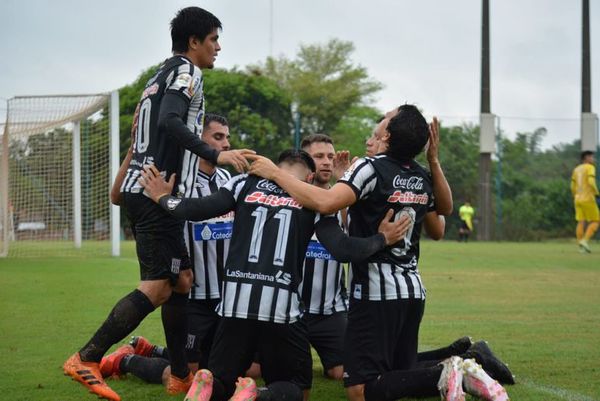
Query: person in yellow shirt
[
  {"x": 465, "y": 212},
  {"x": 585, "y": 191}
]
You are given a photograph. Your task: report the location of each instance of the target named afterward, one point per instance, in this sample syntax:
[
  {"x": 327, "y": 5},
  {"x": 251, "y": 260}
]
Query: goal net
[{"x": 57, "y": 158}]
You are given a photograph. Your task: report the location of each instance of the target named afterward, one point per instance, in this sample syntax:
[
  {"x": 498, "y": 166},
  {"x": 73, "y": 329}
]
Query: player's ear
[
  {"x": 310, "y": 177},
  {"x": 193, "y": 42}
]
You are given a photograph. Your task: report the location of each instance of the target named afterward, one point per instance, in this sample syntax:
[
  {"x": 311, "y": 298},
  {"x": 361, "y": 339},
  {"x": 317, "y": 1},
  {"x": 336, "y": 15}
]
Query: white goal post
[{"x": 59, "y": 155}]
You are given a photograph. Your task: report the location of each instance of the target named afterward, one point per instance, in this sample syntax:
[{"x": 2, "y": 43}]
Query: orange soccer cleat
[
  {"x": 88, "y": 374},
  {"x": 109, "y": 366}
]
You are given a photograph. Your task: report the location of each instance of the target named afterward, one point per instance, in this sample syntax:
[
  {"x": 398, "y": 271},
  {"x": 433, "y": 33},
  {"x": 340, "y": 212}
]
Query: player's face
[
  {"x": 323, "y": 154},
  {"x": 372, "y": 144},
  {"x": 298, "y": 170},
  {"x": 207, "y": 50},
  {"x": 217, "y": 136}
]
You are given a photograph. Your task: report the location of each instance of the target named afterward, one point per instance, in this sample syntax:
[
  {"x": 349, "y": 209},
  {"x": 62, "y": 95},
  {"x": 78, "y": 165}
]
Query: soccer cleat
[
  {"x": 461, "y": 345},
  {"x": 88, "y": 374},
  {"x": 480, "y": 384},
  {"x": 245, "y": 390},
  {"x": 481, "y": 352},
  {"x": 109, "y": 365},
  {"x": 141, "y": 346},
  {"x": 584, "y": 246},
  {"x": 201, "y": 388},
  {"x": 450, "y": 383},
  {"x": 175, "y": 385}
]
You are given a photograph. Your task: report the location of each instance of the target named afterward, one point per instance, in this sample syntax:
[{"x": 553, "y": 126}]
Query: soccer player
[
  {"x": 169, "y": 124},
  {"x": 466, "y": 213},
  {"x": 260, "y": 303},
  {"x": 386, "y": 291},
  {"x": 323, "y": 287},
  {"x": 208, "y": 244},
  {"x": 585, "y": 191}
]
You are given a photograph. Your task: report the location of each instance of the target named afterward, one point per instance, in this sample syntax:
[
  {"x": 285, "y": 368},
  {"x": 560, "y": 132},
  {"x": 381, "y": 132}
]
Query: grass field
[{"x": 538, "y": 305}]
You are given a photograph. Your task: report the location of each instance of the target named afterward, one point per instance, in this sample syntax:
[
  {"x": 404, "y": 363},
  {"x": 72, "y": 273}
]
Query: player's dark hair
[
  {"x": 586, "y": 153},
  {"x": 315, "y": 138},
  {"x": 293, "y": 156},
  {"x": 191, "y": 21},
  {"x": 409, "y": 133},
  {"x": 216, "y": 118}
]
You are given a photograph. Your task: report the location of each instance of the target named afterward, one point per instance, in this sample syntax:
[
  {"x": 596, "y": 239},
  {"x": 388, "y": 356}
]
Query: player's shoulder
[{"x": 223, "y": 174}]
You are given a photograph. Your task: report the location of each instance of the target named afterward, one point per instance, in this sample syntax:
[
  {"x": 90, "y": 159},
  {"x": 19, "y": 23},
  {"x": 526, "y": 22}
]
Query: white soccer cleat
[
  {"x": 451, "y": 379},
  {"x": 480, "y": 384}
]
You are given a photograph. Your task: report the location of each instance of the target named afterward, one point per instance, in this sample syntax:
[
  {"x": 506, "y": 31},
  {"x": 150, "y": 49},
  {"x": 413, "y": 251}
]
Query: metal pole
[
  {"x": 115, "y": 211},
  {"x": 586, "y": 80},
  {"x": 485, "y": 158},
  {"x": 77, "y": 184},
  {"x": 4, "y": 174}
]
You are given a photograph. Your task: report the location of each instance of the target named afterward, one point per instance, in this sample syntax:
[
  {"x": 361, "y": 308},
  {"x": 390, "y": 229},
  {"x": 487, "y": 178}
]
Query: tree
[{"x": 332, "y": 93}]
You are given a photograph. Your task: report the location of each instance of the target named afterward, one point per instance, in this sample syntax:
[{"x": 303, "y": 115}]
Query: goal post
[{"x": 59, "y": 156}]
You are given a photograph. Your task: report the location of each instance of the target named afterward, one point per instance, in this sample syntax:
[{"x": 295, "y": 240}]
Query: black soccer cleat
[
  {"x": 461, "y": 345},
  {"x": 482, "y": 353}
]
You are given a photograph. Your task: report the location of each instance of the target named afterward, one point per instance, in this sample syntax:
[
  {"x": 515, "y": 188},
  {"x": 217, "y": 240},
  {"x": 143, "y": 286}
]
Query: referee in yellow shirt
[{"x": 585, "y": 191}]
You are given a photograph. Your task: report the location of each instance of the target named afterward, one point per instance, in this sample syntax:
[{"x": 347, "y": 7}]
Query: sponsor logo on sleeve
[{"x": 172, "y": 203}]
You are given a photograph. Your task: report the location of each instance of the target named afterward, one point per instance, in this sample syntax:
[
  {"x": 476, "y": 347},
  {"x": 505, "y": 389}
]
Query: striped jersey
[
  {"x": 323, "y": 286},
  {"x": 381, "y": 183},
  {"x": 271, "y": 232},
  {"x": 208, "y": 240},
  {"x": 176, "y": 75}
]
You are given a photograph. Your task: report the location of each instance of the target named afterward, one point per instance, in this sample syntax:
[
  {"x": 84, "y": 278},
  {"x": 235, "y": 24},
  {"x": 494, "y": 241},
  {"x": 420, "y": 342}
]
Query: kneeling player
[{"x": 260, "y": 302}]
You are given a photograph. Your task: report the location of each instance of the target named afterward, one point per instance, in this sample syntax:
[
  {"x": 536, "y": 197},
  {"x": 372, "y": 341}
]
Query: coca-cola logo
[
  {"x": 269, "y": 186},
  {"x": 411, "y": 183}
]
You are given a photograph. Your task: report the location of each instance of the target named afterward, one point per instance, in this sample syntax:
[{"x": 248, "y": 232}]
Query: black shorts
[
  {"x": 202, "y": 324},
  {"x": 326, "y": 335},
  {"x": 464, "y": 226},
  {"x": 159, "y": 242},
  {"x": 382, "y": 336},
  {"x": 283, "y": 352}
]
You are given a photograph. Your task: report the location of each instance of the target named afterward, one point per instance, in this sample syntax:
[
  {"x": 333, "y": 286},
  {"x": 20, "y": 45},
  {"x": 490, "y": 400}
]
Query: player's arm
[
  {"x": 573, "y": 184},
  {"x": 324, "y": 201},
  {"x": 441, "y": 188},
  {"x": 354, "y": 249},
  {"x": 193, "y": 209},
  {"x": 116, "y": 196},
  {"x": 435, "y": 225},
  {"x": 173, "y": 108},
  {"x": 592, "y": 180}
]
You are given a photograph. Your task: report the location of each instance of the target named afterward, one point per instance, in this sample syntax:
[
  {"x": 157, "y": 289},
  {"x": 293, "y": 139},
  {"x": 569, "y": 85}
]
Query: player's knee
[
  {"x": 336, "y": 373},
  {"x": 184, "y": 282},
  {"x": 158, "y": 291},
  {"x": 356, "y": 393}
]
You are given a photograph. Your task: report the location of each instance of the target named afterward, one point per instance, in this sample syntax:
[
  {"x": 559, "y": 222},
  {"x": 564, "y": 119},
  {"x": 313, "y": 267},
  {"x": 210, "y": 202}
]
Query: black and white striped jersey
[
  {"x": 264, "y": 266},
  {"x": 176, "y": 75},
  {"x": 323, "y": 287},
  {"x": 381, "y": 183},
  {"x": 208, "y": 240}
]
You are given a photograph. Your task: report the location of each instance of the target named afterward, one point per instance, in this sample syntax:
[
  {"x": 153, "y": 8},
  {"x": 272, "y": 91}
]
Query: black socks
[{"x": 174, "y": 318}]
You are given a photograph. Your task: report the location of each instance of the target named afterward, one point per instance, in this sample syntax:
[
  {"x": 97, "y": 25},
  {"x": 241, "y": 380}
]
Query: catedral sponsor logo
[{"x": 271, "y": 200}]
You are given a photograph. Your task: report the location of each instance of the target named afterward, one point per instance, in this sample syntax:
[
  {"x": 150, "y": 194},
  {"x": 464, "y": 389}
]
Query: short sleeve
[
  {"x": 186, "y": 81},
  {"x": 361, "y": 178},
  {"x": 235, "y": 185}
]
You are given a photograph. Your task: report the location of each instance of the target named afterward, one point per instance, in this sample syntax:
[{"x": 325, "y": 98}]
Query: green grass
[{"x": 538, "y": 305}]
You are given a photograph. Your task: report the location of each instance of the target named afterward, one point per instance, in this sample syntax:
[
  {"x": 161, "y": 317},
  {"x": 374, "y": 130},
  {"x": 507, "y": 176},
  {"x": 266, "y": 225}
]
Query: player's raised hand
[
  {"x": 154, "y": 184},
  {"x": 341, "y": 163},
  {"x": 434, "y": 140},
  {"x": 235, "y": 158},
  {"x": 262, "y": 166},
  {"x": 394, "y": 231}
]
